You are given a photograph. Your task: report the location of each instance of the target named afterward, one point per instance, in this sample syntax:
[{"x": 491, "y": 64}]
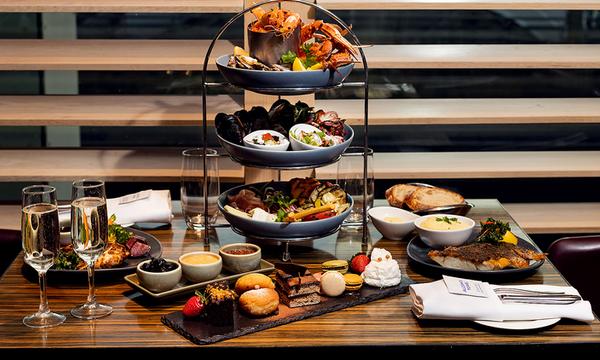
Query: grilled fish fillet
[{"x": 485, "y": 256}]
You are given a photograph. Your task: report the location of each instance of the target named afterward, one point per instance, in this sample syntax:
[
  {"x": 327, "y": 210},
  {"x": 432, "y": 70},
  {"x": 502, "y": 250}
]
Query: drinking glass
[
  {"x": 41, "y": 239},
  {"x": 192, "y": 187},
  {"x": 350, "y": 178},
  {"x": 89, "y": 235}
]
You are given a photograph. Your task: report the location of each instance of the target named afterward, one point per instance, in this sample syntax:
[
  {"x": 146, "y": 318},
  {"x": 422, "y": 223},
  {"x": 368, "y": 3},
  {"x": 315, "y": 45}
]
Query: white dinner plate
[{"x": 519, "y": 325}]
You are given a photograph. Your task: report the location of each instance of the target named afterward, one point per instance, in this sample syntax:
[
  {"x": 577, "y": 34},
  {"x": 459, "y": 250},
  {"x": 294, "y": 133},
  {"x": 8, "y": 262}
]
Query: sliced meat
[
  {"x": 246, "y": 200},
  {"x": 139, "y": 249}
]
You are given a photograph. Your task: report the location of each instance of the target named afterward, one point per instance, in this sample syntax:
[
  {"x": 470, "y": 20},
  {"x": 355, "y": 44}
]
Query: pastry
[
  {"x": 333, "y": 284},
  {"x": 340, "y": 266},
  {"x": 253, "y": 281},
  {"x": 353, "y": 282},
  {"x": 382, "y": 271},
  {"x": 220, "y": 303},
  {"x": 297, "y": 286},
  {"x": 397, "y": 194},
  {"x": 259, "y": 302}
]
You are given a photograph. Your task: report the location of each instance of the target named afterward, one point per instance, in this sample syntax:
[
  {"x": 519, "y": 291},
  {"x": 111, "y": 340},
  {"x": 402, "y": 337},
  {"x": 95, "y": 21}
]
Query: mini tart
[
  {"x": 353, "y": 282},
  {"x": 340, "y": 266}
]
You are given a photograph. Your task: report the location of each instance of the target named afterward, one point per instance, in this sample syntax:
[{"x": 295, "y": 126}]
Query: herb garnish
[
  {"x": 288, "y": 57},
  {"x": 276, "y": 200},
  {"x": 492, "y": 231},
  {"x": 446, "y": 219}
]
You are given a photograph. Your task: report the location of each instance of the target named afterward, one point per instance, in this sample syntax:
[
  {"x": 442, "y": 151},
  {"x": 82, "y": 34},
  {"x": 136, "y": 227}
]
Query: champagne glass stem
[
  {"x": 43, "y": 295},
  {"x": 91, "y": 299}
]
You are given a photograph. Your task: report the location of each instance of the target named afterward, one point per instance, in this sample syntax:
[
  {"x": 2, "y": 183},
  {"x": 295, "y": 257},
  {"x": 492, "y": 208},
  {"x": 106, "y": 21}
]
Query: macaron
[
  {"x": 340, "y": 266},
  {"x": 333, "y": 284},
  {"x": 353, "y": 282}
]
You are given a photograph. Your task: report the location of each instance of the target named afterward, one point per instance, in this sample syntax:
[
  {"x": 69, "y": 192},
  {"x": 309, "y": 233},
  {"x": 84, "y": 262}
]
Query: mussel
[
  {"x": 230, "y": 128},
  {"x": 282, "y": 113}
]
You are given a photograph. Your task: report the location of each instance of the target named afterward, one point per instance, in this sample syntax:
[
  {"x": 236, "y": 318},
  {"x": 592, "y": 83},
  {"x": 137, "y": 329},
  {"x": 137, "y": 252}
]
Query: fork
[{"x": 518, "y": 291}]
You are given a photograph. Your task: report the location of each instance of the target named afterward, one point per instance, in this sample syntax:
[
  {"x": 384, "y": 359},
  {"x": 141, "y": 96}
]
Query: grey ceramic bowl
[
  {"x": 280, "y": 230},
  {"x": 240, "y": 263},
  {"x": 282, "y": 82},
  {"x": 159, "y": 281},
  {"x": 288, "y": 158}
]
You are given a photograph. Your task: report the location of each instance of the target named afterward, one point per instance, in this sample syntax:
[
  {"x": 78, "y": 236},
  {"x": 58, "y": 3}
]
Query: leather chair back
[
  {"x": 10, "y": 245},
  {"x": 578, "y": 259}
]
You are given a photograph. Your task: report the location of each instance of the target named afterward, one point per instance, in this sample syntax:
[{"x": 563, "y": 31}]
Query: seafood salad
[
  {"x": 307, "y": 200},
  {"x": 324, "y": 128},
  {"x": 317, "y": 45}
]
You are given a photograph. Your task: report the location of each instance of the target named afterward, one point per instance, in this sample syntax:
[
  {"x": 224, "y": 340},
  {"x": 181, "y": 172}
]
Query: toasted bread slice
[
  {"x": 425, "y": 198},
  {"x": 397, "y": 194}
]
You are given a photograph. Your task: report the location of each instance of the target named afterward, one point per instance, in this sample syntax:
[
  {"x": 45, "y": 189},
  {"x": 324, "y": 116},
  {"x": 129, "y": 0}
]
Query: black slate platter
[{"x": 200, "y": 332}]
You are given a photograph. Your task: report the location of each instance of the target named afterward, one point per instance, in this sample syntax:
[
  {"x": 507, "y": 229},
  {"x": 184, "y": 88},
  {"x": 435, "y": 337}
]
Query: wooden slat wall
[{"x": 116, "y": 6}]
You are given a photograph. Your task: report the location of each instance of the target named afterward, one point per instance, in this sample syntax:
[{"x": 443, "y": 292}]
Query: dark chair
[
  {"x": 10, "y": 245},
  {"x": 578, "y": 260}
]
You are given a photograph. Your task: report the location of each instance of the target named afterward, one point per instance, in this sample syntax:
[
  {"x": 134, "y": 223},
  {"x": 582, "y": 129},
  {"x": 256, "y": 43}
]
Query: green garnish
[
  {"x": 288, "y": 57},
  {"x": 66, "y": 260},
  {"x": 492, "y": 231},
  {"x": 310, "y": 58},
  {"x": 122, "y": 235},
  {"x": 446, "y": 219}
]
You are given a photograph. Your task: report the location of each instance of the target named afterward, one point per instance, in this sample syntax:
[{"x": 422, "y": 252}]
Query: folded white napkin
[
  {"x": 146, "y": 206},
  {"x": 434, "y": 301}
]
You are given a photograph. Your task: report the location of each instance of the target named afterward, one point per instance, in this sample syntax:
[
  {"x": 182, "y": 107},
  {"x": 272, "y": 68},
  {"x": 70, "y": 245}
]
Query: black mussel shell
[
  {"x": 260, "y": 118},
  {"x": 246, "y": 119},
  {"x": 230, "y": 128},
  {"x": 303, "y": 113},
  {"x": 282, "y": 112}
]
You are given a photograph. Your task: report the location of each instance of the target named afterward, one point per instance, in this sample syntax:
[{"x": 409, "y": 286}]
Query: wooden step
[
  {"x": 460, "y": 4},
  {"x": 471, "y": 165},
  {"x": 151, "y": 55},
  {"x": 82, "y": 110},
  {"x": 186, "y": 110},
  {"x": 558, "y": 56},
  {"x": 467, "y": 111},
  {"x": 38, "y": 54},
  {"x": 557, "y": 218},
  {"x": 144, "y": 165},
  {"x": 122, "y": 6}
]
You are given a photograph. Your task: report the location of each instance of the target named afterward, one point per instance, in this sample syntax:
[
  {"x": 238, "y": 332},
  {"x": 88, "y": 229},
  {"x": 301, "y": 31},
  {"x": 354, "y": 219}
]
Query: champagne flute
[
  {"x": 89, "y": 235},
  {"x": 41, "y": 239}
]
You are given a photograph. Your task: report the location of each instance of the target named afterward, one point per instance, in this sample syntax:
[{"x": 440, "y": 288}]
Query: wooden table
[{"x": 384, "y": 324}]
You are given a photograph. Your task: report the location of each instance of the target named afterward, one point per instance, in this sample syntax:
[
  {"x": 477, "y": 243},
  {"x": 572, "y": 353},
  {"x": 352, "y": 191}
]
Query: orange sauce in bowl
[{"x": 199, "y": 259}]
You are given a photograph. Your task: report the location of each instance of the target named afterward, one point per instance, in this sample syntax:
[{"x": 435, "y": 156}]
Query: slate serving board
[{"x": 201, "y": 332}]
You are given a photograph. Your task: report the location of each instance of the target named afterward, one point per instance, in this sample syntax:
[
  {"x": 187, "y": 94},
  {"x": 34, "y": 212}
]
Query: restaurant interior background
[{"x": 381, "y": 27}]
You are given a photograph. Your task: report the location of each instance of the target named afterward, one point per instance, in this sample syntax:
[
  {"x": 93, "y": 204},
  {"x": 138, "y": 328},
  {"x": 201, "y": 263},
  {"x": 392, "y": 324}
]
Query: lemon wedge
[
  {"x": 509, "y": 238},
  {"x": 317, "y": 66},
  {"x": 298, "y": 65},
  {"x": 239, "y": 51}
]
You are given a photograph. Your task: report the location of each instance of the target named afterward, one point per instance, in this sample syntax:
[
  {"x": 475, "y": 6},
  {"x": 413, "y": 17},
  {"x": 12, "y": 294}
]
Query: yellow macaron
[
  {"x": 340, "y": 266},
  {"x": 353, "y": 282}
]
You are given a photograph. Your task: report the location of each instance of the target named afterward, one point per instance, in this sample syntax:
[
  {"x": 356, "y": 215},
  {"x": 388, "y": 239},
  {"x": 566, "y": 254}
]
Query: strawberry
[
  {"x": 359, "y": 262},
  {"x": 194, "y": 307}
]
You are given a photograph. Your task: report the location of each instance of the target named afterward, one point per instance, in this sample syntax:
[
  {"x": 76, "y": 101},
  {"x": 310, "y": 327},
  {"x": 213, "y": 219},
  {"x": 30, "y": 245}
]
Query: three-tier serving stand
[{"x": 282, "y": 92}]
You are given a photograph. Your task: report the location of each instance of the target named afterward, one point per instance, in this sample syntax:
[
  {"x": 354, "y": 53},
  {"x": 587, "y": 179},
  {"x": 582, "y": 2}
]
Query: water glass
[
  {"x": 193, "y": 187},
  {"x": 41, "y": 241},
  {"x": 350, "y": 170},
  {"x": 89, "y": 236}
]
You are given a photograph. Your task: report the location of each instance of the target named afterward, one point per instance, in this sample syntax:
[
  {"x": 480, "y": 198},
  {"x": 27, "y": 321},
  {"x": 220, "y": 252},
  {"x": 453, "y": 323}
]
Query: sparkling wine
[
  {"x": 41, "y": 236},
  {"x": 89, "y": 229}
]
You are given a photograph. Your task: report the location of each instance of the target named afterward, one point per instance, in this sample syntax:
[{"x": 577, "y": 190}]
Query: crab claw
[{"x": 337, "y": 37}]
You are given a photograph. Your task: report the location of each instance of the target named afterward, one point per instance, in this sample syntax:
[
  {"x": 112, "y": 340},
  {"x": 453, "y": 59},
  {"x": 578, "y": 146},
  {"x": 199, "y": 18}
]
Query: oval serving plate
[
  {"x": 296, "y": 231},
  {"x": 282, "y": 82},
  {"x": 417, "y": 250},
  {"x": 288, "y": 159},
  {"x": 128, "y": 266}
]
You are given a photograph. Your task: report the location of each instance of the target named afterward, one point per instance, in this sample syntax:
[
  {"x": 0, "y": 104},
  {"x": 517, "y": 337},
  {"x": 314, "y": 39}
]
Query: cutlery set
[{"x": 523, "y": 296}]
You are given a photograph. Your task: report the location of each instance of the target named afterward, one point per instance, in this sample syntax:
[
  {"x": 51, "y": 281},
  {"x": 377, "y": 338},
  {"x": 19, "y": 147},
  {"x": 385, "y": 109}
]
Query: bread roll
[
  {"x": 253, "y": 281},
  {"x": 425, "y": 198},
  {"x": 397, "y": 194},
  {"x": 259, "y": 302}
]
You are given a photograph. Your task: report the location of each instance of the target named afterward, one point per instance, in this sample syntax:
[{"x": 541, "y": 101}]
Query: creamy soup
[
  {"x": 199, "y": 259},
  {"x": 443, "y": 223},
  {"x": 394, "y": 219}
]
